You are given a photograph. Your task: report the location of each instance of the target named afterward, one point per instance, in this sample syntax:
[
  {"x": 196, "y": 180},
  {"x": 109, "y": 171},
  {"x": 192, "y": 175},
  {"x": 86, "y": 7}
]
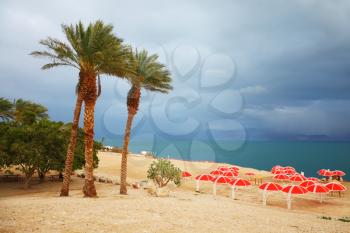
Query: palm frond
[{"x": 150, "y": 74}]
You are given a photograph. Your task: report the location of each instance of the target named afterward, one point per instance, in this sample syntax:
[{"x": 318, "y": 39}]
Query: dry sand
[{"x": 41, "y": 210}]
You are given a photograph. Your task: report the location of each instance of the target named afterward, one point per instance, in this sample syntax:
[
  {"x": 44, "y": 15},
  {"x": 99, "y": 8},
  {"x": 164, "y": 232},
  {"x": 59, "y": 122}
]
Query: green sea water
[{"x": 306, "y": 156}]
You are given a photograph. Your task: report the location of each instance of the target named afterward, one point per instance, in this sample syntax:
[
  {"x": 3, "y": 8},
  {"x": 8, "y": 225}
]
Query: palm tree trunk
[
  {"x": 90, "y": 101},
  {"x": 133, "y": 101},
  {"x": 124, "y": 162},
  {"x": 71, "y": 147}
]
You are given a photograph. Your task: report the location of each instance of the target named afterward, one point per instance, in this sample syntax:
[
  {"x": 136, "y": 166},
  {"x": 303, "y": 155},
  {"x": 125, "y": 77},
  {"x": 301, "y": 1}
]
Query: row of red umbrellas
[
  {"x": 329, "y": 173},
  {"x": 220, "y": 171},
  {"x": 304, "y": 187},
  {"x": 233, "y": 182},
  {"x": 291, "y": 170},
  {"x": 296, "y": 177},
  {"x": 227, "y": 175}
]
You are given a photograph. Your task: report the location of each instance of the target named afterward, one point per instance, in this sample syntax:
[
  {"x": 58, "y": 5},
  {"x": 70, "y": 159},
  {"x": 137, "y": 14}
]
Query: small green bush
[{"x": 162, "y": 171}]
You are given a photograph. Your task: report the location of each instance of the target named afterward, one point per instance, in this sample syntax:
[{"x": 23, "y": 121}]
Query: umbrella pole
[
  {"x": 321, "y": 198},
  {"x": 197, "y": 185},
  {"x": 214, "y": 189},
  {"x": 233, "y": 193},
  {"x": 264, "y": 198}
]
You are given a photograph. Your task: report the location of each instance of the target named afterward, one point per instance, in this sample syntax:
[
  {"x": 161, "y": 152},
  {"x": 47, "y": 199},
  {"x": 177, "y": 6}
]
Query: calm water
[{"x": 308, "y": 157}]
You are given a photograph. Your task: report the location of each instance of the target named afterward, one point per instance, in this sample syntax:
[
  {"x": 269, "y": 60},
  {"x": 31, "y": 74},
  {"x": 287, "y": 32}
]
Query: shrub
[{"x": 162, "y": 171}]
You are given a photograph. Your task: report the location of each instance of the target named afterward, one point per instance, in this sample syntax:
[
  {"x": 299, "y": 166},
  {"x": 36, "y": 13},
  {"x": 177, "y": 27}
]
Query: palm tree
[
  {"x": 6, "y": 109},
  {"x": 151, "y": 75},
  {"x": 94, "y": 51}
]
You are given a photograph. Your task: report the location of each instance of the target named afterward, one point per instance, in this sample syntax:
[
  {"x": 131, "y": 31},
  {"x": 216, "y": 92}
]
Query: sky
[{"x": 243, "y": 70}]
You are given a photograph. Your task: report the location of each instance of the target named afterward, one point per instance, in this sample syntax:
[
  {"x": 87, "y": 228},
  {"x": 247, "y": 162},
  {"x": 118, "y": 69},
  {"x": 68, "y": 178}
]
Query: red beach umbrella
[
  {"x": 289, "y": 171},
  {"x": 307, "y": 183},
  {"x": 279, "y": 171},
  {"x": 324, "y": 172},
  {"x": 293, "y": 189},
  {"x": 239, "y": 182},
  {"x": 290, "y": 168},
  {"x": 318, "y": 188},
  {"x": 327, "y": 173},
  {"x": 297, "y": 178},
  {"x": 223, "y": 168},
  {"x": 281, "y": 177},
  {"x": 185, "y": 174},
  {"x": 220, "y": 180},
  {"x": 216, "y": 173},
  {"x": 203, "y": 177},
  {"x": 275, "y": 168},
  {"x": 338, "y": 173},
  {"x": 334, "y": 186},
  {"x": 269, "y": 186},
  {"x": 320, "y": 172},
  {"x": 230, "y": 173}
]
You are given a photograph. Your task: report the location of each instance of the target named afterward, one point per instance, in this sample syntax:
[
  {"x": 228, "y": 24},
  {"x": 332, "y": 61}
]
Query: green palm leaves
[
  {"x": 93, "y": 49},
  {"x": 149, "y": 73}
]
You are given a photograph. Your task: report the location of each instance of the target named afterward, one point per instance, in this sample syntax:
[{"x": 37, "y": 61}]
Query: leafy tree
[
  {"x": 6, "y": 108},
  {"x": 152, "y": 76},
  {"x": 27, "y": 112},
  {"x": 18, "y": 148},
  {"x": 93, "y": 51},
  {"x": 162, "y": 171},
  {"x": 39, "y": 147},
  {"x": 55, "y": 137},
  {"x": 5, "y": 160}
]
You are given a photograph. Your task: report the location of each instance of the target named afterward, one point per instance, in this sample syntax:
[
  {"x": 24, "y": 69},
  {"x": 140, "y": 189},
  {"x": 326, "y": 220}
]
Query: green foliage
[
  {"x": 93, "y": 49},
  {"x": 19, "y": 148},
  {"x": 6, "y": 108},
  {"x": 150, "y": 74},
  {"x": 162, "y": 171},
  {"x": 38, "y": 145},
  {"x": 27, "y": 112},
  {"x": 22, "y": 111}
]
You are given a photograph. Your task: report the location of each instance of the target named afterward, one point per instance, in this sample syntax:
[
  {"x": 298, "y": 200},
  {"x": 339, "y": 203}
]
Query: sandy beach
[{"x": 41, "y": 210}]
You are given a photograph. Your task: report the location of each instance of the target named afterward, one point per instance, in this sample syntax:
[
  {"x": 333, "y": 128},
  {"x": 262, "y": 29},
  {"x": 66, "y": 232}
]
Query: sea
[{"x": 305, "y": 156}]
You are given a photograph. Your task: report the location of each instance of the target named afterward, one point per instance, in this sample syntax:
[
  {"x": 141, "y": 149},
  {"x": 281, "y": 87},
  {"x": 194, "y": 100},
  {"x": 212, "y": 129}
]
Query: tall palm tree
[
  {"x": 94, "y": 51},
  {"x": 150, "y": 75}
]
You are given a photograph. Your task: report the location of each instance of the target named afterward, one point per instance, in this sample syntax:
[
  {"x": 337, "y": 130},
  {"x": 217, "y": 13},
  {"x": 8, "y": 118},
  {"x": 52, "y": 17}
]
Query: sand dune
[{"x": 41, "y": 210}]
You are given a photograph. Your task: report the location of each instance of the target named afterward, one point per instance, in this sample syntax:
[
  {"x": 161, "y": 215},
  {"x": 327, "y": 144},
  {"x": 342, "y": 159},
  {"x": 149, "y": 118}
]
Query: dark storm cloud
[{"x": 292, "y": 58}]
